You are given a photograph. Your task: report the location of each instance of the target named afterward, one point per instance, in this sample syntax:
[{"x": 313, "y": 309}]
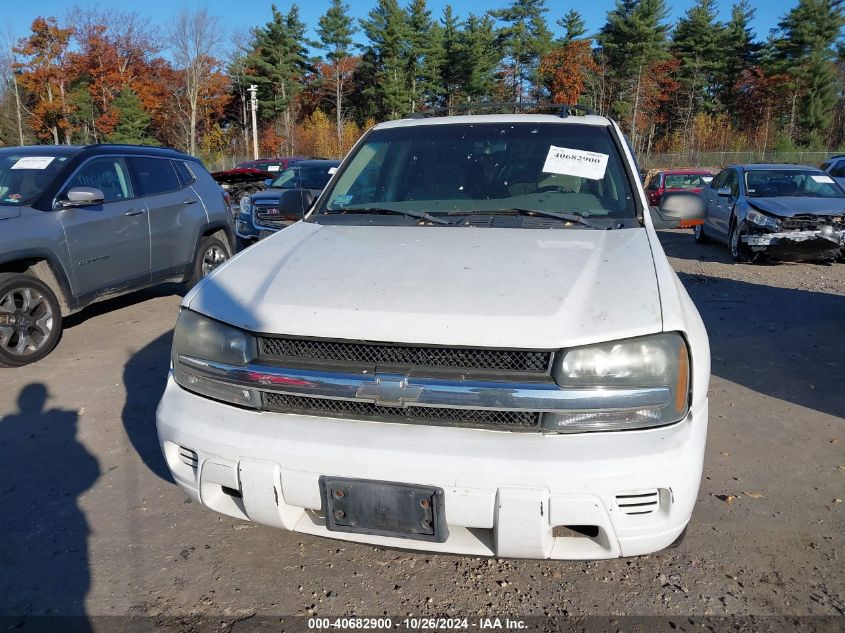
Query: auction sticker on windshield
[
  {"x": 575, "y": 162},
  {"x": 822, "y": 179},
  {"x": 33, "y": 162}
]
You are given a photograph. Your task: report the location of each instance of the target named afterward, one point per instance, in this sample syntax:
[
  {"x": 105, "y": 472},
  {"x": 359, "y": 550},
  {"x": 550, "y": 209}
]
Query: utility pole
[{"x": 253, "y": 102}]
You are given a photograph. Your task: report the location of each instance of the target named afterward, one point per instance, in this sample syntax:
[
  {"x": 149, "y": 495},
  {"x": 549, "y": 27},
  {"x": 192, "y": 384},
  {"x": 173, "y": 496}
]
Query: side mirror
[
  {"x": 682, "y": 206},
  {"x": 296, "y": 201},
  {"x": 724, "y": 191},
  {"x": 268, "y": 182},
  {"x": 82, "y": 197}
]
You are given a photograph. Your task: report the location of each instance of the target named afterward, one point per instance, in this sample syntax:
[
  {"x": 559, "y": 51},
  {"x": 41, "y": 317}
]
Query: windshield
[
  {"x": 687, "y": 181},
  {"x": 462, "y": 168},
  {"x": 773, "y": 183},
  {"x": 304, "y": 177},
  {"x": 23, "y": 177}
]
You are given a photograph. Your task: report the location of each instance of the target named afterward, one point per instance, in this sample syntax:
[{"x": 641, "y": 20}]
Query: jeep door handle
[
  {"x": 190, "y": 201},
  {"x": 135, "y": 212}
]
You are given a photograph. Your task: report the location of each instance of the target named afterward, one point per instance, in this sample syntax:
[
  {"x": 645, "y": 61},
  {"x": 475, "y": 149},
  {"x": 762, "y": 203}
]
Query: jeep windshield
[
  {"x": 25, "y": 175},
  {"x": 455, "y": 170},
  {"x": 775, "y": 183}
]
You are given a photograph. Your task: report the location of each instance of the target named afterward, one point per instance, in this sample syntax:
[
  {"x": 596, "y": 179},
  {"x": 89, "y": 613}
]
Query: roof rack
[{"x": 564, "y": 109}]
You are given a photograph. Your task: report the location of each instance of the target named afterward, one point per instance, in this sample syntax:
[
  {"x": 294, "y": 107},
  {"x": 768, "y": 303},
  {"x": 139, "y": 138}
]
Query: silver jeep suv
[{"x": 81, "y": 224}]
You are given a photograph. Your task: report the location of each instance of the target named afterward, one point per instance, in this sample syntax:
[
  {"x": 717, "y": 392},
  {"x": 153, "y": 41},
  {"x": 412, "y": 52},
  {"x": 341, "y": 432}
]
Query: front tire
[
  {"x": 30, "y": 320},
  {"x": 739, "y": 251},
  {"x": 211, "y": 253}
]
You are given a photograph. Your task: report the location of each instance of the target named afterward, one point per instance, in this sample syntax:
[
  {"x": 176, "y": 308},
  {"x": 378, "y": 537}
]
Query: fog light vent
[
  {"x": 638, "y": 501},
  {"x": 188, "y": 457}
]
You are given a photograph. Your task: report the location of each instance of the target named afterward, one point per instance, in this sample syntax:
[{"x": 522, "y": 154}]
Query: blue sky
[{"x": 238, "y": 16}]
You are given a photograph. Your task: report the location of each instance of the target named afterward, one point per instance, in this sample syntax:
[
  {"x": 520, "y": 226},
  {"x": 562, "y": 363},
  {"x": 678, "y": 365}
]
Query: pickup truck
[{"x": 473, "y": 343}]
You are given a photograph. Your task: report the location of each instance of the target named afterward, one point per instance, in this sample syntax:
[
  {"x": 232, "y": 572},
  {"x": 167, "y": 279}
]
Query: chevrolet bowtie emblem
[{"x": 389, "y": 391}]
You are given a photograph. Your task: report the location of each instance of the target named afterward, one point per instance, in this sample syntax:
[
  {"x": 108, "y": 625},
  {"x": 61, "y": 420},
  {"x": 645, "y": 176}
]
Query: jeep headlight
[
  {"x": 653, "y": 369},
  {"x": 762, "y": 220},
  {"x": 199, "y": 345},
  {"x": 246, "y": 203}
]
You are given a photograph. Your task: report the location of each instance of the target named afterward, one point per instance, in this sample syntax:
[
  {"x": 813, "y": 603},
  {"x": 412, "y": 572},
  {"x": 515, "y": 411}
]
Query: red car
[{"x": 677, "y": 180}]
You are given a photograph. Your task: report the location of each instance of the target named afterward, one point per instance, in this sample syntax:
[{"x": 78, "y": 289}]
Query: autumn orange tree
[
  {"x": 44, "y": 73},
  {"x": 565, "y": 69}
]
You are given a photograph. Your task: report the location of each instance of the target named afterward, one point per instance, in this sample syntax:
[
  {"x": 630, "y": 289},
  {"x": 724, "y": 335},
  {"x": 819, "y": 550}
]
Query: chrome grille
[
  {"x": 287, "y": 348},
  {"x": 479, "y": 418}
]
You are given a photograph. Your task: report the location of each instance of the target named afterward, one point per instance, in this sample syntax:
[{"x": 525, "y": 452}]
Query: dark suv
[{"x": 82, "y": 224}]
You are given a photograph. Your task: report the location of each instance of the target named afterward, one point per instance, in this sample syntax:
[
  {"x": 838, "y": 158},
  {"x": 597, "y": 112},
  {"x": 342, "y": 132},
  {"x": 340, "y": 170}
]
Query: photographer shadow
[{"x": 44, "y": 567}]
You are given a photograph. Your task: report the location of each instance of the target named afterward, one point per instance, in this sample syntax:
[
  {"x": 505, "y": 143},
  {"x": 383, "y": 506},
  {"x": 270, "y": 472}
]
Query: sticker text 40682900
[{"x": 575, "y": 162}]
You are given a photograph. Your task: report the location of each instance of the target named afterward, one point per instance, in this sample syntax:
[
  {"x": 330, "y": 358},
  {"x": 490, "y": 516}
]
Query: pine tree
[
  {"x": 573, "y": 26},
  {"x": 419, "y": 34},
  {"x": 633, "y": 39},
  {"x": 280, "y": 62},
  {"x": 699, "y": 43},
  {"x": 524, "y": 39},
  {"x": 434, "y": 60},
  {"x": 739, "y": 51},
  {"x": 451, "y": 74},
  {"x": 133, "y": 122},
  {"x": 387, "y": 29},
  {"x": 804, "y": 49},
  {"x": 479, "y": 57},
  {"x": 335, "y": 30}
]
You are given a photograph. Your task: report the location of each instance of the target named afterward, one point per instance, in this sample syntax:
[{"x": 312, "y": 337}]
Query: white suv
[{"x": 473, "y": 343}]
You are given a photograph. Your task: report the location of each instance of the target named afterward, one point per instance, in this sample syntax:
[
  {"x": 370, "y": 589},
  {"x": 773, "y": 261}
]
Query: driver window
[
  {"x": 719, "y": 181},
  {"x": 106, "y": 174},
  {"x": 654, "y": 185},
  {"x": 732, "y": 181}
]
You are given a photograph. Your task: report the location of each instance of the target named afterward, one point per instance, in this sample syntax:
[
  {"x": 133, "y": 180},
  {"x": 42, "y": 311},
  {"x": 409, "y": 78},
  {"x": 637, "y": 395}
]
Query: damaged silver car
[{"x": 779, "y": 212}]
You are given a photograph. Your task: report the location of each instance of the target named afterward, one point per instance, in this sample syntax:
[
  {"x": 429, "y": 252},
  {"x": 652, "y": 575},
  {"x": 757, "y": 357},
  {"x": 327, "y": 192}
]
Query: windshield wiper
[
  {"x": 419, "y": 215},
  {"x": 558, "y": 215}
]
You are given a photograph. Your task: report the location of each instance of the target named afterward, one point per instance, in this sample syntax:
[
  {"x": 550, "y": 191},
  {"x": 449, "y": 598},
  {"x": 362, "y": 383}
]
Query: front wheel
[
  {"x": 739, "y": 251},
  {"x": 211, "y": 253},
  {"x": 30, "y": 320}
]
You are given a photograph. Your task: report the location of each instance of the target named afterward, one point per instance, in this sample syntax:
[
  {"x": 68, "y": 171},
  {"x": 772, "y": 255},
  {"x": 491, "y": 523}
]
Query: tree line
[{"x": 699, "y": 84}]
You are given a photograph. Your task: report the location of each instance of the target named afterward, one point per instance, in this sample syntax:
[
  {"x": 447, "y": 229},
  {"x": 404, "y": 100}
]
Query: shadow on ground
[
  {"x": 44, "y": 566},
  {"x": 124, "y": 301},
  {"x": 145, "y": 376},
  {"x": 781, "y": 342}
]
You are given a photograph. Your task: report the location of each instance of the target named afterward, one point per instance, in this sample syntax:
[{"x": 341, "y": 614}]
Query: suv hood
[
  {"x": 520, "y": 288},
  {"x": 787, "y": 207},
  {"x": 7, "y": 213},
  {"x": 272, "y": 193}
]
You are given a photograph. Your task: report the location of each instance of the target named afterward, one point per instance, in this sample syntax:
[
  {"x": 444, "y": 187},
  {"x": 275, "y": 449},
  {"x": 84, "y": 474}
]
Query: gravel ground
[{"x": 94, "y": 526}]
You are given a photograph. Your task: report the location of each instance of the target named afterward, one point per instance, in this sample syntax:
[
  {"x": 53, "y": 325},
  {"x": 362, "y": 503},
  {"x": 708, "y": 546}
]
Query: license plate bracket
[{"x": 384, "y": 508}]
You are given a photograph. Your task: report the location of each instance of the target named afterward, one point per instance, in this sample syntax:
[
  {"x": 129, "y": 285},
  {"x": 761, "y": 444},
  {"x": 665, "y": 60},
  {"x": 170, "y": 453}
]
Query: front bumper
[
  {"x": 796, "y": 244},
  {"x": 505, "y": 493}
]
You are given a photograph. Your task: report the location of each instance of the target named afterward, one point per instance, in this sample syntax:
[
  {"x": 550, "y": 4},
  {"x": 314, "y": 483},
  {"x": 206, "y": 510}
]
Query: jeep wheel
[
  {"x": 739, "y": 251},
  {"x": 30, "y": 320},
  {"x": 698, "y": 234},
  {"x": 211, "y": 253}
]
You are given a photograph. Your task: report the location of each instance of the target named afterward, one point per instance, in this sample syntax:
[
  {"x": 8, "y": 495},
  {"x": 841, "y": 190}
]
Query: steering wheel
[{"x": 556, "y": 188}]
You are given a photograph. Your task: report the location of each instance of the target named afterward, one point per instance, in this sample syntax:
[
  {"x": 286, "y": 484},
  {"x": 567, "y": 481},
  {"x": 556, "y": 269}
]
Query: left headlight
[
  {"x": 658, "y": 365},
  {"x": 762, "y": 220},
  {"x": 199, "y": 341}
]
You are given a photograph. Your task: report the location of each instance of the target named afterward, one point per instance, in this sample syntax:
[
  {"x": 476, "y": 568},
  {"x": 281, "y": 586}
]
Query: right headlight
[
  {"x": 658, "y": 365},
  {"x": 762, "y": 220},
  {"x": 245, "y": 204},
  {"x": 199, "y": 341}
]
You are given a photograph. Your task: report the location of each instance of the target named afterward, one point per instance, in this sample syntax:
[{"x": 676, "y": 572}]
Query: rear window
[
  {"x": 183, "y": 171},
  {"x": 154, "y": 175},
  {"x": 687, "y": 181}
]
